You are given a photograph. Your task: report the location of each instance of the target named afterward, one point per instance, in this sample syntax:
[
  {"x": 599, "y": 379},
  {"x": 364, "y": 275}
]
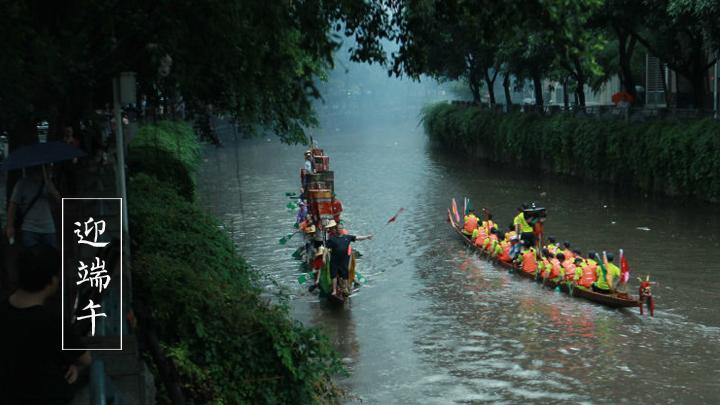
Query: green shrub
[
  {"x": 228, "y": 343},
  {"x": 676, "y": 158},
  {"x": 169, "y": 151}
]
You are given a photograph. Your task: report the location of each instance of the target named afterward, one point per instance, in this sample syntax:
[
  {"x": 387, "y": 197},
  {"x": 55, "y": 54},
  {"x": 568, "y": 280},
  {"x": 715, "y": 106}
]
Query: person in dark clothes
[
  {"x": 340, "y": 252},
  {"x": 33, "y": 368}
]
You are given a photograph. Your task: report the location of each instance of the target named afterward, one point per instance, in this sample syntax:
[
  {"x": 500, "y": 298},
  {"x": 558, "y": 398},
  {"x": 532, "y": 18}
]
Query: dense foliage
[
  {"x": 257, "y": 60},
  {"x": 576, "y": 43},
  {"x": 169, "y": 151},
  {"x": 228, "y": 344},
  {"x": 677, "y": 158}
]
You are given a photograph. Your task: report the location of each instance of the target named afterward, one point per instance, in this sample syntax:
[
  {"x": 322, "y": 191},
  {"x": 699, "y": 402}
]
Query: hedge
[
  {"x": 676, "y": 158},
  {"x": 169, "y": 150},
  {"x": 228, "y": 343}
]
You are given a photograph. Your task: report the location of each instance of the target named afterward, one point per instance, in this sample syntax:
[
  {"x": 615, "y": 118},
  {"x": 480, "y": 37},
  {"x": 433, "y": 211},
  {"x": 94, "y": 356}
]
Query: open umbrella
[
  {"x": 39, "y": 154},
  {"x": 621, "y": 96}
]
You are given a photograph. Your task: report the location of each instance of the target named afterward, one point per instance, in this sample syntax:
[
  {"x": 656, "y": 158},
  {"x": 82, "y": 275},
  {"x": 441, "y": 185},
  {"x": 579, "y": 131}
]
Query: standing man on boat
[
  {"x": 340, "y": 252},
  {"x": 308, "y": 168},
  {"x": 522, "y": 228}
]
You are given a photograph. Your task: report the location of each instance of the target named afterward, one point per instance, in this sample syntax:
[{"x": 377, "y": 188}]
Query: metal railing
[{"x": 102, "y": 388}]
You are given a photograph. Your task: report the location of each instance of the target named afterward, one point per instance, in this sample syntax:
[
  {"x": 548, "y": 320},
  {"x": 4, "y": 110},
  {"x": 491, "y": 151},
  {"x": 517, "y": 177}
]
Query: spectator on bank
[
  {"x": 29, "y": 210},
  {"x": 33, "y": 368},
  {"x": 69, "y": 136},
  {"x": 67, "y": 169}
]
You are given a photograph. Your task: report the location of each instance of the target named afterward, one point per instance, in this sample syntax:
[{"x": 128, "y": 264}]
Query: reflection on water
[{"x": 436, "y": 324}]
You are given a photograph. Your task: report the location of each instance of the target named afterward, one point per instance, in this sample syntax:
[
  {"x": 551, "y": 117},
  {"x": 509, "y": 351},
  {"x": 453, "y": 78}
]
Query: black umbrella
[{"x": 39, "y": 154}]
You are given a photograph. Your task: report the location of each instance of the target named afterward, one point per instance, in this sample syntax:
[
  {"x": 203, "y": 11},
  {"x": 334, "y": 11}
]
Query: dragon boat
[
  {"x": 614, "y": 300},
  {"x": 322, "y": 207}
]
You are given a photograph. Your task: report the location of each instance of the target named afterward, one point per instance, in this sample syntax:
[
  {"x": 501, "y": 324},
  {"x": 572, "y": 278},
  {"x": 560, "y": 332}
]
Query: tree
[
  {"x": 448, "y": 40},
  {"x": 257, "y": 60},
  {"x": 674, "y": 32}
]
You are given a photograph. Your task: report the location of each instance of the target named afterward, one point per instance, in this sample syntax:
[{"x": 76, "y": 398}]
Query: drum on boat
[
  {"x": 321, "y": 202},
  {"x": 321, "y": 181}
]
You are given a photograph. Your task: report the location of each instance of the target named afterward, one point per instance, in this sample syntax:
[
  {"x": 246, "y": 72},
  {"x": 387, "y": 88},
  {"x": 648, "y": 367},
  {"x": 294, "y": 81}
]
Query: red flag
[{"x": 624, "y": 268}]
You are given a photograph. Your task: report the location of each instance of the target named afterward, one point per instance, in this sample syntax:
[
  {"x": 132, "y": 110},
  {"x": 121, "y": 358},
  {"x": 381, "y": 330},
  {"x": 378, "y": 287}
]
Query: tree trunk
[
  {"x": 506, "y": 87},
  {"x": 698, "y": 89},
  {"x": 698, "y": 81},
  {"x": 666, "y": 93},
  {"x": 537, "y": 84},
  {"x": 626, "y": 76},
  {"x": 580, "y": 91},
  {"x": 626, "y": 48},
  {"x": 474, "y": 84},
  {"x": 490, "y": 81},
  {"x": 566, "y": 96}
]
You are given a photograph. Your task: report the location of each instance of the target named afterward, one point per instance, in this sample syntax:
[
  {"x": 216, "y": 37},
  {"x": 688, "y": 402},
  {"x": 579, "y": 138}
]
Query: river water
[{"x": 436, "y": 324}]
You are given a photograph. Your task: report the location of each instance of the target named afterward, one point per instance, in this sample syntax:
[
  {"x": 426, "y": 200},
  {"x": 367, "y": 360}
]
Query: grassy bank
[
  {"x": 675, "y": 158},
  {"x": 227, "y": 343}
]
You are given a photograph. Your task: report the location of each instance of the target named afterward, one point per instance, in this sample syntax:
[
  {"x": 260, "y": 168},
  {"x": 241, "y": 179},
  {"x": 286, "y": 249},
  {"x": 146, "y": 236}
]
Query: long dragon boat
[
  {"x": 614, "y": 300},
  {"x": 323, "y": 207}
]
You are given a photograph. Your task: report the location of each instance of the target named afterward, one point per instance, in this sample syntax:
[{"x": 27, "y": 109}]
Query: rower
[
  {"x": 496, "y": 250},
  {"x": 505, "y": 245},
  {"x": 607, "y": 275},
  {"x": 587, "y": 271},
  {"x": 470, "y": 223},
  {"x": 544, "y": 264},
  {"x": 552, "y": 246},
  {"x": 510, "y": 231},
  {"x": 488, "y": 224},
  {"x": 316, "y": 266},
  {"x": 489, "y": 242},
  {"x": 557, "y": 271},
  {"x": 568, "y": 268},
  {"x": 528, "y": 258}
]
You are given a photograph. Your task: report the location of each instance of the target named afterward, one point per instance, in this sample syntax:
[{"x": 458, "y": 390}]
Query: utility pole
[
  {"x": 717, "y": 87},
  {"x": 123, "y": 84}
]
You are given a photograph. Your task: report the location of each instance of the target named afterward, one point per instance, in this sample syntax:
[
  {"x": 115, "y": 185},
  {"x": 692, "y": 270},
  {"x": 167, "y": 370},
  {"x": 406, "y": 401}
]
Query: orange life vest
[
  {"x": 489, "y": 242},
  {"x": 489, "y": 224},
  {"x": 529, "y": 261},
  {"x": 569, "y": 267},
  {"x": 588, "y": 274},
  {"x": 545, "y": 268},
  {"x": 471, "y": 223},
  {"x": 555, "y": 272},
  {"x": 505, "y": 255},
  {"x": 482, "y": 235}
]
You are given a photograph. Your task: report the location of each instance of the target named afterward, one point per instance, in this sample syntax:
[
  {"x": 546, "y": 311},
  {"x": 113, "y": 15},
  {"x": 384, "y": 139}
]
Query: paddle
[
  {"x": 291, "y": 205},
  {"x": 287, "y": 237},
  {"x": 290, "y": 194},
  {"x": 394, "y": 217}
]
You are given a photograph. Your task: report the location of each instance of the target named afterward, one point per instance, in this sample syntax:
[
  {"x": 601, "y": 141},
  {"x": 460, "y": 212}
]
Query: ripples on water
[{"x": 436, "y": 324}]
